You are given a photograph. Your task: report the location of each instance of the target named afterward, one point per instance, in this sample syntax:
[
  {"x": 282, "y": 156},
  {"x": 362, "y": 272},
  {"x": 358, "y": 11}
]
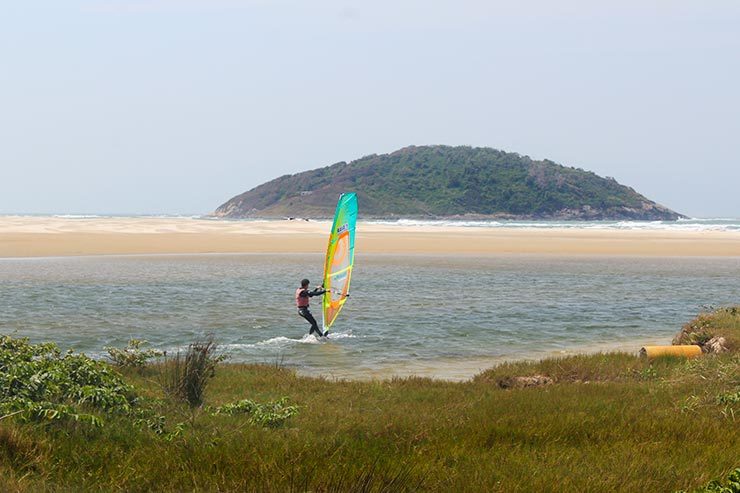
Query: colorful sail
[{"x": 340, "y": 257}]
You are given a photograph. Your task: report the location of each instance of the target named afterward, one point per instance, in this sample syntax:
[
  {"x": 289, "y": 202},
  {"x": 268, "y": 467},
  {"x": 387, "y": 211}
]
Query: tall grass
[
  {"x": 185, "y": 376},
  {"x": 610, "y": 422},
  {"x": 628, "y": 434}
]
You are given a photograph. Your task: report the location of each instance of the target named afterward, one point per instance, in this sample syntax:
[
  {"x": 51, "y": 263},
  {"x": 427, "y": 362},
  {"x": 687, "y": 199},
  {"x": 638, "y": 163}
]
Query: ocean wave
[
  {"x": 687, "y": 224},
  {"x": 78, "y": 216},
  {"x": 714, "y": 224}
]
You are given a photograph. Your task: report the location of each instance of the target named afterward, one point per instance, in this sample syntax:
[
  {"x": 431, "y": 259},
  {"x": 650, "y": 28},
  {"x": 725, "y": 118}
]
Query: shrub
[
  {"x": 39, "y": 382},
  {"x": 132, "y": 356}
]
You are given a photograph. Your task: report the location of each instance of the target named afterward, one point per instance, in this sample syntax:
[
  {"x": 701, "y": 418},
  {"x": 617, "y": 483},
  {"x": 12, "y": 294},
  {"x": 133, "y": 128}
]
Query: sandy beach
[{"x": 26, "y": 236}]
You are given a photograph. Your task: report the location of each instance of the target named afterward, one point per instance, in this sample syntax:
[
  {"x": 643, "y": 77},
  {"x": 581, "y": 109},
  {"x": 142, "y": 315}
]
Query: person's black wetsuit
[{"x": 304, "y": 312}]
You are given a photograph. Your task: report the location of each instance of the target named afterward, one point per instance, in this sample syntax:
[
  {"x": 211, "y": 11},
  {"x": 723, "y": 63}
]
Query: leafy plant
[
  {"x": 271, "y": 414},
  {"x": 132, "y": 356},
  {"x": 39, "y": 382},
  {"x": 729, "y": 398},
  {"x": 648, "y": 373}
]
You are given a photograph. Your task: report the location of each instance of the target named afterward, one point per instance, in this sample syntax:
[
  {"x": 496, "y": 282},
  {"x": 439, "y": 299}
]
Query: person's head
[{"x": 304, "y": 283}]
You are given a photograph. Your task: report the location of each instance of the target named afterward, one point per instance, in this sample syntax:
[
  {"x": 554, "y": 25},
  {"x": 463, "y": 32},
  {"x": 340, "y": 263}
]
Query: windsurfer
[{"x": 302, "y": 296}]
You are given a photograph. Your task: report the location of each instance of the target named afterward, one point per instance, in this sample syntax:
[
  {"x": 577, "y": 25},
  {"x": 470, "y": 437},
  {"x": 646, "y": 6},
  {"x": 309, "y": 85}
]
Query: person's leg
[
  {"x": 314, "y": 324},
  {"x": 303, "y": 315},
  {"x": 309, "y": 317}
]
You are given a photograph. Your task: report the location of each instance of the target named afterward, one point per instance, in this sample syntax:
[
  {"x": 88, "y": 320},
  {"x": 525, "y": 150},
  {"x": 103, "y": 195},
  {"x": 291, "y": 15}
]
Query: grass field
[{"x": 608, "y": 422}]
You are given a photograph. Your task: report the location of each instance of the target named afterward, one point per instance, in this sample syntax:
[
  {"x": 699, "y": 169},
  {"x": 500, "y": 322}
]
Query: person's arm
[{"x": 317, "y": 291}]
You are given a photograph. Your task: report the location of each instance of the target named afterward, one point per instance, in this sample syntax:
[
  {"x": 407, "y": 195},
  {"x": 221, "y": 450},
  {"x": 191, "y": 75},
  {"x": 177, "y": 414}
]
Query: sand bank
[{"x": 22, "y": 236}]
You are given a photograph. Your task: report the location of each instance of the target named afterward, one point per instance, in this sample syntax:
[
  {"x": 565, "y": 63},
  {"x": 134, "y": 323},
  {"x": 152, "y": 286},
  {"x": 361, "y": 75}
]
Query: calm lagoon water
[{"x": 439, "y": 316}]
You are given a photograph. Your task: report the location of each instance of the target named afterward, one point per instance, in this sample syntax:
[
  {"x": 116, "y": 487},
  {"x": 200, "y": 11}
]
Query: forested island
[{"x": 449, "y": 182}]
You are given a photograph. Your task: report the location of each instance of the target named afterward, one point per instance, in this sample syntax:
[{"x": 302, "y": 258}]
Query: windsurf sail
[{"x": 340, "y": 258}]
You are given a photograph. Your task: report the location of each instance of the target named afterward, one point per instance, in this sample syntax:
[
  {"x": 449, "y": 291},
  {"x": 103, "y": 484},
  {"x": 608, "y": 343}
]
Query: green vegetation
[
  {"x": 720, "y": 322},
  {"x": 609, "y": 422},
  {"x": 40, "y": 383},
  {"x": 185, "y": 377},
  {"x": 732, "y": 485},
  {"x": 132, "y": 356},
  {"x": 272, "y": 414},
  {"x": 449, "y": 181}
]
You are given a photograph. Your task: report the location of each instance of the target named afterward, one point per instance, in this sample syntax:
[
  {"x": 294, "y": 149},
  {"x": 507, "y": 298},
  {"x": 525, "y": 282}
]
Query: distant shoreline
[{"x": 41, "y": 236}]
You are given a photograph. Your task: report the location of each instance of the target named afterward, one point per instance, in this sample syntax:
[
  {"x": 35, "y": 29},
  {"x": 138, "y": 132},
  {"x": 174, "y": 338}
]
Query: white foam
[
  {"x": 282, "y": 341},
  {"x": 341, "y": 335},
  {"x": 692, "y": 224},
  {"x": 77, "y": 216},
  {"x": 275, "y": 342}
]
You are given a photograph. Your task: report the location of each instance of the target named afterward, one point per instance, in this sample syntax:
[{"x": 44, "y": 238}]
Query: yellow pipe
[{"x": 688, "y": 351}]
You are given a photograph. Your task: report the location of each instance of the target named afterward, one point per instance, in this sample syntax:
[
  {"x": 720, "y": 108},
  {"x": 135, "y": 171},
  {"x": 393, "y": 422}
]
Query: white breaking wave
[
  {"x": 78, "y": 216},
  {"x": 282, "y": 341},
  {"x": 694, "y": 224},
  {"x": 690, "y": 224}
]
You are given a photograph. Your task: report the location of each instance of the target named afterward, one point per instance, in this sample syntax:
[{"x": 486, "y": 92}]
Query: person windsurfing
[{"x": 302, "y": 296}]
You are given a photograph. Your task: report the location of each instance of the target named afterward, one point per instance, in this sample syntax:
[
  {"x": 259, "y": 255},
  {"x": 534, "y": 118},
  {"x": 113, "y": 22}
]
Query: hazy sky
[{"x": 174, "y": 106}]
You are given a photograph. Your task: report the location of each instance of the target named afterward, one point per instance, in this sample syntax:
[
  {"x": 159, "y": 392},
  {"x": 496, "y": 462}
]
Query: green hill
[{"x": 443, "y": 181}]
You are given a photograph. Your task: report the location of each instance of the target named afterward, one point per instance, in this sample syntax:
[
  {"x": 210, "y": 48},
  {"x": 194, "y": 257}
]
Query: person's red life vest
[{"x": 301, "y": 301}]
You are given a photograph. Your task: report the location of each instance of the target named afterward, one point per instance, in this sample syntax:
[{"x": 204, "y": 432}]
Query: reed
[{"x": 185, "y": 376}]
